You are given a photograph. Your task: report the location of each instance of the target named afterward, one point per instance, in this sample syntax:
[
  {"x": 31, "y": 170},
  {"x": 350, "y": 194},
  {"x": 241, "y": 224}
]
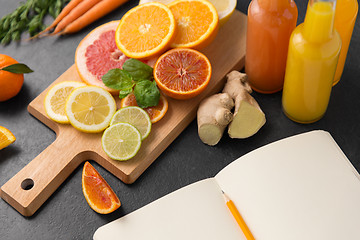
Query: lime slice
[
  {"x": 90, "y": 109},
  {"x": 121, "y": 141},
  {"x": 136, "y": 116}
]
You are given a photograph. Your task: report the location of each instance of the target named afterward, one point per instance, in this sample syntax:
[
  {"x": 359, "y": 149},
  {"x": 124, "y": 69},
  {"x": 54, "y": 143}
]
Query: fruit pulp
[
  {"x": 270, "y": 23},
  {"x": 313, "y": 54},
  {"x": 345, "y": 16}
]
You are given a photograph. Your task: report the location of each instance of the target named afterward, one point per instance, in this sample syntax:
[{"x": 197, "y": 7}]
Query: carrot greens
[{"x": 28, "y": 17}]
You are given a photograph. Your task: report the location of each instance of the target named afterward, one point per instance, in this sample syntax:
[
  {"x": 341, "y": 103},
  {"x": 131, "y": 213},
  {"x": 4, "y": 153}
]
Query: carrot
[
  {"x": 98, "y": 11},
  {"x": 72, "y": 4},
  {"x": 75, "y": 13}
]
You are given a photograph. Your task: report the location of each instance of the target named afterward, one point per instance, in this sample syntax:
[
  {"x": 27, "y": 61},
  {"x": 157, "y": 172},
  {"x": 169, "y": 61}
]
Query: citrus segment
[
  {"x": 97, "y": 53},
  {"x": 90, "y": 109},
  {"x": 155, "y": 113},
  {"x": 55, "y": 100},
  {"x": 146, "y": 30},
  {"x": 97, "y": 192},
  {"x": 121, "y": 141},
  {"x": 135, "y": 116},
  {"x": 6, "y": 137},
  {"x": 197, "y": 23},
  {"x": 182, "y": 73}
]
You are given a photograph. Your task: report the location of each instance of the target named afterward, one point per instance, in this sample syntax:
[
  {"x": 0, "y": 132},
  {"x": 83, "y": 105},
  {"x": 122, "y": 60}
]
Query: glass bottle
[
  {"x": 313, "y": 55},
  {"x": 345, "y": 16},
  {"x": 269, "y": 26}
]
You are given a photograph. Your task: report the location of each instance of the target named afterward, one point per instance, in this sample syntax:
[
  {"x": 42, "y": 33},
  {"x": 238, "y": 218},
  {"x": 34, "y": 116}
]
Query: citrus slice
[
  {"x": 121, "y": 141},
  {"x": 135, "y": 116},
  {"x": 146, "y": 30},
  {"x": 90, "y": 108},
  {"x": 97, "y": 192},
  {"x": 197, "y": 23},
  {"x": 55, "y": 100},
  {"x": 182, "y": 73},
  {"x": 6, "y": 137},
  {"x": 97, "y": 53},
  {"x": 155, "y": 113},
  {"x": 224, "y": 8}
]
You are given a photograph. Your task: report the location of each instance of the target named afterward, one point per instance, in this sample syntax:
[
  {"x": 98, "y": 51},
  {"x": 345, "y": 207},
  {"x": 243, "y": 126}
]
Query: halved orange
[
  {"x": 6, "y": 137},
  {"x": 145, "y": 30},
  {"x": 182, "y": 73},
  {"x": 99, "y": 195},
  {"x": 155, "y": 113},
  {"x": 197, "y": 23}
]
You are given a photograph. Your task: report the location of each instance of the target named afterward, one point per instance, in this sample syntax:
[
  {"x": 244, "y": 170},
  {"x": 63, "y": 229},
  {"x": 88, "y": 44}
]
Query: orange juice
[
  {"x": 269, "y": 26},
  {"x": 313, "y": 55},
  {"x": 345, "y": 16}
]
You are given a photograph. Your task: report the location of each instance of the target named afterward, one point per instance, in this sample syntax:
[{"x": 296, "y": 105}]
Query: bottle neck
[
  {"x": 319, "y": 20},
  {"x": 274, "y": 5}
]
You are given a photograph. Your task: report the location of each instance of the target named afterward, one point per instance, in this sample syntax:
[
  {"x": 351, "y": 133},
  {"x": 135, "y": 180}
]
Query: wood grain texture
[{"x": 71, "y": 147}]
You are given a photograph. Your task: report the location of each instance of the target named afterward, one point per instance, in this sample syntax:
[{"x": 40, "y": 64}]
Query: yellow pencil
[{"x": 238, "y": 218}]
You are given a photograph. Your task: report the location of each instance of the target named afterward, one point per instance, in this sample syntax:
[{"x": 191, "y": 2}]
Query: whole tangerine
[{"x": 10, "y": 83}]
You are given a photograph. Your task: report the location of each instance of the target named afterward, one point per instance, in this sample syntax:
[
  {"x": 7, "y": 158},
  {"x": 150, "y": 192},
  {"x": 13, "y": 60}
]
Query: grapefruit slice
[
  {"x": 182, "y": 73},
  {"x": 155, "y": 113},
  {"x": 97, "y": 53},
  {"x": 97, "y": 192}
]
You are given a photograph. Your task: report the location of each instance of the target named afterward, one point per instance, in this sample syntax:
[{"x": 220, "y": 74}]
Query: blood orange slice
[
  {"x": 97, "y": 53},
  {"x": 155, "y": 113},
  {"x": 97, "y": 191},
  {"x": 182, "y": 73}
]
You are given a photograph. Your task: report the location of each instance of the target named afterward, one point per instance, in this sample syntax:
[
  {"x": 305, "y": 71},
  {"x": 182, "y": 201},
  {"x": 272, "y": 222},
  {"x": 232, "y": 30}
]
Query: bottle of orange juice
[
  {"x": 345, "y": 16},
  {"x": 269, "y": 26},
  {"x": 313, "y": 55}
]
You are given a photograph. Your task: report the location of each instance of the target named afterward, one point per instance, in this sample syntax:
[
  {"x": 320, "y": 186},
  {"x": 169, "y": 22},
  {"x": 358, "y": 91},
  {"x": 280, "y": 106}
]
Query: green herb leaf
[
  {"x": 138, "y": 69},
  {"x": 125, "y": 92},
  {"x": 147, "y": 94},
  {"x": 118, "y": 79},
  {"x": 17, "y": 68}
]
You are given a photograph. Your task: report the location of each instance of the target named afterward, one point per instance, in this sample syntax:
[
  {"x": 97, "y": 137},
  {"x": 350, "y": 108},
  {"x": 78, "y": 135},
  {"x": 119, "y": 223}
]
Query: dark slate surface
[{"x": 66, "y": 215}]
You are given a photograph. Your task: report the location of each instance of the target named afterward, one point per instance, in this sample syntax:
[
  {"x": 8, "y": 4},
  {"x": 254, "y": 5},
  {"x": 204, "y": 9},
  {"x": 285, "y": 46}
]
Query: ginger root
[
  {"x": 248, "y": 116},
  {"x": 214, "y": 114}
]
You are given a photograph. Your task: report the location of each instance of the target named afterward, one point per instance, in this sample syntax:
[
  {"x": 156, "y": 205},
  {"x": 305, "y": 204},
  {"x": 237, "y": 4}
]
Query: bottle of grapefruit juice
[
  {"x": 269, "y": 26},
  {"x": 312, "y": 59}
]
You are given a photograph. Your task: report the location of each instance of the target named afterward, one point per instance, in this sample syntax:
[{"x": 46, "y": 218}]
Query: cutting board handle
[{"x": 35, "y": 183}]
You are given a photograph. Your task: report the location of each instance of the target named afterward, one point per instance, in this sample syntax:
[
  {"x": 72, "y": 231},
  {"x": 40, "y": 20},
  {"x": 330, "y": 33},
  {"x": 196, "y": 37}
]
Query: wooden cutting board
[{"x": 34, "y": 184}]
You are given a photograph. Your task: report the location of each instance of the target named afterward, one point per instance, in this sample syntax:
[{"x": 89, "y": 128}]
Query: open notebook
[{"x": 301, "y": 187}]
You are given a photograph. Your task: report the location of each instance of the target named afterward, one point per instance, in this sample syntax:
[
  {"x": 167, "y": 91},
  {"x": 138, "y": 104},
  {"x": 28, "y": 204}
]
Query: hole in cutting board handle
[{"x": 27, "y": 184}]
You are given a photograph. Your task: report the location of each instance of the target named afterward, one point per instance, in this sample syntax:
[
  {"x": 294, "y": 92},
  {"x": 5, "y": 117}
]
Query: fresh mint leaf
[
  {"x": 138, "y": 69},
  {"x": 17, "y": 68},
  {"x": 125, "y": 92},
  {"x": 146, "y": 93},
  {"x": 118, "y": 79}
]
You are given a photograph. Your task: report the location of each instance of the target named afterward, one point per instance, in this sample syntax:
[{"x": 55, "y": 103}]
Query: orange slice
[
  {"x": 197, "y": 23},
  {"x": 182, "y": 73},
  {"x": 145, "y": 30},
  {"x": 99, "y": 195},
  {"x": 6, "y": 137},
  {"x": 155, "y": 113}
]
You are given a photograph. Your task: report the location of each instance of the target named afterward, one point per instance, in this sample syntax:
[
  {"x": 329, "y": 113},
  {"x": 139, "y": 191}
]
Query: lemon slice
[
  {"x": 55, "y": 100},
  {"x": 6, "y": 137},
  {"x": 90, "y": 109},
  {"x": 136, "y": 116},
  {"x": 225, "y": 8},
  {"x": 121, "y": 141}
]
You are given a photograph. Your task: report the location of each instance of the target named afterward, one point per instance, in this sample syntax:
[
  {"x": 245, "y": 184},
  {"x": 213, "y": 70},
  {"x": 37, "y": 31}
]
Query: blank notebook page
[
  {"x": 302, "y": 187},
  {"x": 197, "y": 211}
]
